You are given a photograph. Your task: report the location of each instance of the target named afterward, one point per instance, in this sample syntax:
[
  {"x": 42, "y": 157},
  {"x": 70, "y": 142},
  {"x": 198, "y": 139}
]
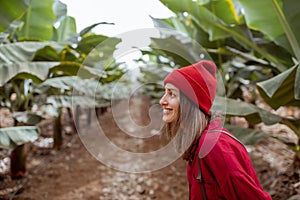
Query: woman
[{"x": 219, "y": 166}]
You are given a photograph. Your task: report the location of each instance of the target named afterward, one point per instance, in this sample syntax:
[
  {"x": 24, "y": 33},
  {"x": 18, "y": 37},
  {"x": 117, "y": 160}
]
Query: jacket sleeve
[{"x": 241, "y": 186}]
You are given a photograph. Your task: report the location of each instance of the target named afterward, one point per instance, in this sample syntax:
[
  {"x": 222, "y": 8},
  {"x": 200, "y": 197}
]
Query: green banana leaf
[
  {"x": 89, "y": 28},
  {"x": 183, "y": 54},
  {"x": 60, "y": 10},
  {"x": 47, "y": 53},
  {"x": 216, "y": 27},
  {"x": 9, "y": 34},
  {"x": 68, "y": 25},
  {"x": 67, "y": 30},
  {"x": 172, "y": 23},
  {"x": 10, "y": 11},
  {"x": 246, "y": 135},
  {"x": 225, "y": 10},
  {"x": 27, "y": 117},
  {"x": 277, "y": 19},
  {"x": 70, "y": 82},
  {"x": 197, "y": 34},
  {"x": 14, "y": 136},
  {"x": 98, "y": 42},
  {"x": 59, "y": 101},
  {"x": 38, "y": 21},
  {"x": 68, "y": 68},
  {"x": 292, "y": 15},
  {"x": 174, "y": 26},
  {"x": 252, "y": 113},
  {"x": 90, "y": 88},
  {"x": 204, "y": 17},
  {"x": 283, "y": 89},
  {"x": 36, "y": 71},
  {"x": 260, "y": 15},
  {"x": 23, "y": 51}
]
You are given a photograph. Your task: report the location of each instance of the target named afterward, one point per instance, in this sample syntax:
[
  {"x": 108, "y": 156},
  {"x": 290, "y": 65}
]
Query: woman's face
[{"x": 170, "y": 103}]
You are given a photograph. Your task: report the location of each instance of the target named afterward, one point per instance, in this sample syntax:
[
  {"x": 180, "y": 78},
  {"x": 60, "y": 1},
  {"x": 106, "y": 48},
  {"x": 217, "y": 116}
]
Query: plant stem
[
  {"x": 57, "y": 135},
  {"x": 18, "y": 162}
]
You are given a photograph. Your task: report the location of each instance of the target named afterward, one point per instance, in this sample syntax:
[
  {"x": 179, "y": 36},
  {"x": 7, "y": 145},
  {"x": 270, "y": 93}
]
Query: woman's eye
[{"x": 172, "y": 94}]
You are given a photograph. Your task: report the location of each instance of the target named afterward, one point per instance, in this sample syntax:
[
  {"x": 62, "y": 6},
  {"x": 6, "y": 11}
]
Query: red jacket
[{"x": 226, "y": 168}]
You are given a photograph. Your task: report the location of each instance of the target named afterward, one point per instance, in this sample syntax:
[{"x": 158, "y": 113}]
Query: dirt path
[{"x": 74, "y": 173}]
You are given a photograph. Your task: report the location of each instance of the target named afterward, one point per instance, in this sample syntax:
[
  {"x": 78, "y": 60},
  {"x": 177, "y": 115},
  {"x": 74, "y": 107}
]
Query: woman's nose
[{"x": 163, "y": 101}]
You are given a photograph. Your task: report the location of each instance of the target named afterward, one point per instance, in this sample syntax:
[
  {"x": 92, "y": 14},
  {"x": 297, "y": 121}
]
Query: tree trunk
[
  {"x": 71, "y": 120},
  {"x": 18, "y": 162},
  {"x": 57, "y": 135},
  {"x": 77, "y": 117},
  {"x": 100, "y": 111}
]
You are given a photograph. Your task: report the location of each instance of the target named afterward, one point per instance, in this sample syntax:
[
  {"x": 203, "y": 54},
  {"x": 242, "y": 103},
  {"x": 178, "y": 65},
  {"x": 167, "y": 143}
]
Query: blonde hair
[{"x": 187, "y": 128}]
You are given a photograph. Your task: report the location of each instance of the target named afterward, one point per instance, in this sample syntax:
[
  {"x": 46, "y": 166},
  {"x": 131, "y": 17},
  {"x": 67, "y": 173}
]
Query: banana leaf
[
  {"x": 81, "y": 86},
  {"x": 260, "y": 15},
  {"x": 27, "y": 117},
  {"x": 23, "y": 51},
  {"x": 253, "y": 114},
  {"x": 59, "y": 101},
  {"x": 99, "y": 44},
  {"x": 60, "y": 10},
  {"x": 47, "y": 53},
  {"x": 69, "y": 68},
  {"x": 38, "y": 21},
  {"x": 221, "y": 25},
  {"x": 67, "y": 30},
  {"x": 89, "y": 28},
  {"x": 10, "y": 11},
  {"x": 182, "y": 54},
  {"x": 36, "y": 71},
  {"x": 283, "y": 89},
  {"x": 246, "y": 135},
  {"x": 14, "y": 136},
  {"x": 206, "y": 19},
  {"x": 90, "y": 88},
  {"x": 277, "y": 19}
]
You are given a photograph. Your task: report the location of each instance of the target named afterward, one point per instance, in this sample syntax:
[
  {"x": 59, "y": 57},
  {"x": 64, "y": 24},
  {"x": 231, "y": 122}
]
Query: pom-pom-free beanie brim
[{"x": 197, "y": 81}]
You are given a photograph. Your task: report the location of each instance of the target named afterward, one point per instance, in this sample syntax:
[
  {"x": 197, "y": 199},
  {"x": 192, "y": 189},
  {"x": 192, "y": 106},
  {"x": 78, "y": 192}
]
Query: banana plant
[
  {"x": 59, "y": 92},
  {"x": 228, "y": 24},
  {"x": 229, "y": 29},
  {"x": 283, "y": 89},
  {"x": 15, "y": 138},
  {"x": 33, "y": 50}
]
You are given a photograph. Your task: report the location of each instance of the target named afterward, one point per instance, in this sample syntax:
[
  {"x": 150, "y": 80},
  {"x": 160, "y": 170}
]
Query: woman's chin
[{"x": 168, "y": 119}]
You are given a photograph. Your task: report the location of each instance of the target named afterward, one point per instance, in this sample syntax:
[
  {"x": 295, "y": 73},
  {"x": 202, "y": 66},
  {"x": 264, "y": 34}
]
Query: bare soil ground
[{"x": 73, "y": 173}]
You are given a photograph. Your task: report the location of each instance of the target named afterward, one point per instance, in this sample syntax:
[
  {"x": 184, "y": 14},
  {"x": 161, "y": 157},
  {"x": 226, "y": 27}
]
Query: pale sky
[{"x": 127, "y": 15}]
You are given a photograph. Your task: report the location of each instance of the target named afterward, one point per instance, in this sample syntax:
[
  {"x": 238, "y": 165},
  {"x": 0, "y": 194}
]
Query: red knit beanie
[{"x": 197, "y": 81}]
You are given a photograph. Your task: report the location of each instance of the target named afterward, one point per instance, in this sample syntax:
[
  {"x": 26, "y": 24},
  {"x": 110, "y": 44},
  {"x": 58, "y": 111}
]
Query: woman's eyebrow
[{"x": 172, "y": 89}]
